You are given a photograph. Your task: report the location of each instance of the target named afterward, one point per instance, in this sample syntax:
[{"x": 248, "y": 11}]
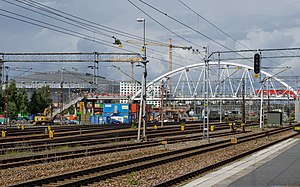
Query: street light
[{"x": 142, "y": 114}]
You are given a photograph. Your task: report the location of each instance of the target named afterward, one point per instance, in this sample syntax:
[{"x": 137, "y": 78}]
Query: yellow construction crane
[{"x": 170, "y": 46}]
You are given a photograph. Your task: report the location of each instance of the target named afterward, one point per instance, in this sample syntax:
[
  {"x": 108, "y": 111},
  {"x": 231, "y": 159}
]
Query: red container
[{"x": 135, "y": 108}]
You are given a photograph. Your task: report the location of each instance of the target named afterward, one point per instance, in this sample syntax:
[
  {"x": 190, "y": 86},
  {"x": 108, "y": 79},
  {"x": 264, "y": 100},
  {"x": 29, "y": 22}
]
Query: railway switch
[{"x": 3, "y": 134}]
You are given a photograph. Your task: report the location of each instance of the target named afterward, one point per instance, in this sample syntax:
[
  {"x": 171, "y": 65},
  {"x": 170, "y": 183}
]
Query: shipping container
[
  {"x": 135, "y": 108},
  {"x": 94, "y": 119},
  {"x": 102, "y": 120}
]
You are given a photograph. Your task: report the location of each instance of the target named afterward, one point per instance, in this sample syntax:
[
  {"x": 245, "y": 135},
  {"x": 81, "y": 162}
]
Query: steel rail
[
  {"x": 96, "y": 174},
  {"x": 50, "y": 157},
  {"x": 183, "y": 178}
]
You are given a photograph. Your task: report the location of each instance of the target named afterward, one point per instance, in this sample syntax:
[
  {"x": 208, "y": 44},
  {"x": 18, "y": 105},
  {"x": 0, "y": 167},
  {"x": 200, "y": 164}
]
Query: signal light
[{"x": 257, "y": 63}]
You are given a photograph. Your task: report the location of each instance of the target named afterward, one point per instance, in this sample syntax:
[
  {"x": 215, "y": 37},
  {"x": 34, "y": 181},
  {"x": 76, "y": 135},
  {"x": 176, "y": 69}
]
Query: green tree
[
  {"x": 12, "y": 100},
  {"x": 33, "y": 106},
  {"x": 23, "y": 101},
  {"x": 40, "y": 100}
]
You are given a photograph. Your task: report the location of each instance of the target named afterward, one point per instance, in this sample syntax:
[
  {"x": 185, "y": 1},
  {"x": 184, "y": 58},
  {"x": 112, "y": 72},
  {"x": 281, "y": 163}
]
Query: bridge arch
[{"x": 220, "y": 81}]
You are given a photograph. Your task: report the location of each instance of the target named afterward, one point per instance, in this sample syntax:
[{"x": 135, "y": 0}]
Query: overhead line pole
[{"x": 6, "y": 116}]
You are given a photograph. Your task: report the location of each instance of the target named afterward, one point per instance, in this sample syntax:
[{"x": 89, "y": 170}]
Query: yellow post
[
  {"x": 3, "y": 134},
  {"x": 49, "y": 128},
  {"x": 23, "y": 127},
  {"x": 230, "y": 126},
  {"x": 212, "y": 128},
  {"x": 155, "y": 127},
  {"x": 19, "y": 126},
  {"x": 182, "y": 127},
  {"x": 243, "y": 127},
  {"x": 51, "y": 134}
]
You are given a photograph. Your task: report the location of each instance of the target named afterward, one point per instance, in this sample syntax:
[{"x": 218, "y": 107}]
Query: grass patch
[
  {"x": 14, "y": 153},
  {"x": 132, "y": 179}
]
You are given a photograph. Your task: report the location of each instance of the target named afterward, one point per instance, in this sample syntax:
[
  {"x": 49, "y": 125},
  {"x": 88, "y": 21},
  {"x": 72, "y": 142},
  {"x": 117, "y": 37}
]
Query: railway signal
[{"x": 257, "y": 63}]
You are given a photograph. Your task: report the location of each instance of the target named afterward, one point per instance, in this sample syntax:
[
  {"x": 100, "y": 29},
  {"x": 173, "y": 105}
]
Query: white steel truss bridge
[{"x": 226, "y": 81}]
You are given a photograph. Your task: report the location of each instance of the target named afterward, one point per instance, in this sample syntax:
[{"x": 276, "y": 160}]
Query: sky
[{"x": 216, "y": 25}]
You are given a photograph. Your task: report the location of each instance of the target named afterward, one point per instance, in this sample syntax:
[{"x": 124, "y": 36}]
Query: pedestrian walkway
[{"x": 233, "y": 174}]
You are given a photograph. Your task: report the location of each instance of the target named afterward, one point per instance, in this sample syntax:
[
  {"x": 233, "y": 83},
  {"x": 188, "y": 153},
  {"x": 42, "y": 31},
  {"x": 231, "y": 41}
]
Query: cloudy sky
[{"x": 28, "y": 26}]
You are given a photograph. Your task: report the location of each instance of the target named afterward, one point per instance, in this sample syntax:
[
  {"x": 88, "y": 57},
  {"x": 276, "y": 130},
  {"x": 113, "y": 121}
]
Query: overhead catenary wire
[
  {"x": 163, "y": 25},
  {"x": 215, "y": 26},
  {"x": 56, "y": 28},
  {"x": 187, "y": 26},
  {"x": 218, "y": 28},
  {"x": 55, "y": 25},
  {"x": 81, "y": 21}
]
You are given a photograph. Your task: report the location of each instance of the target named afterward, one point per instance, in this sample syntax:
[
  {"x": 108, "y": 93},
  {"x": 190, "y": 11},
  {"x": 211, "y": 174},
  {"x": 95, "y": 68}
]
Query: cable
[
  {"x": 98, "y": 32},
  {"x": 163, "y": 25},
  {"x": 75, "y": 34},
  {"x": 50, "y": 17},
  {"x": 156, "y": 9},
  {"x": 212, "y": 24},
  {"x": 82, "y": 21}
]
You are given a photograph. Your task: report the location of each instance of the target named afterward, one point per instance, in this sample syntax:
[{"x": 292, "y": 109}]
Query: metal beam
[{"x": 70, "y": 57}]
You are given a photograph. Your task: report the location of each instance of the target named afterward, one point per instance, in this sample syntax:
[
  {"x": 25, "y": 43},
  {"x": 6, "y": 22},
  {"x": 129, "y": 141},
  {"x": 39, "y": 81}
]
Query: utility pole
[
  {"x": 61, "y": 97},
  {"x": 162, "y": 104},
  {"x": 143, "y": 114},
  {"x": 6, "y": 97},
  {"x": 261, "y": 115},
  {"x": 1, "y": 65},
  {"x": 206, "y": 100},
  {"x": 170, "y": 65},
  {"x": 131, "y": 79},
  {"x": 243, "y": 102},
  {"x": 220, "y": 89}
]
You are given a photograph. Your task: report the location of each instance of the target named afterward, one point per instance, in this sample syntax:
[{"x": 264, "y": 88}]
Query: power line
[
  {"x": 56, "y": 28},
  {"x": 52, "y": 18},
  {"x": 180, "y": 22},
  {"x": 219, "y": 29},
  {"x": 163, "y": 25},
  {"x": 81, "y": 21}
]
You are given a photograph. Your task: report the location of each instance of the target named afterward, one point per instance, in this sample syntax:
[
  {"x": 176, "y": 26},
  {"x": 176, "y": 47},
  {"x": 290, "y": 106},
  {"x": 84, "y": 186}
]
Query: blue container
[
  {"x": 124, "y": 108},
  {"x": 107, "y": 119},
  {"x": 92, "y": 119},
  {"x": 108, "y": 108},
  {"x": 102, "y": 120},
  {"x": 96, "y": 120}
]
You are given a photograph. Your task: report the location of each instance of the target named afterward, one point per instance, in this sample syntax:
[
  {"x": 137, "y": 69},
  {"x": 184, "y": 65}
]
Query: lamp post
[{"x": 142, "y": 114}]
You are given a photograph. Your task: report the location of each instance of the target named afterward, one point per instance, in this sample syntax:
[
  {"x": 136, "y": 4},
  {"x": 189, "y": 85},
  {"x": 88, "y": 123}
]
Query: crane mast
[{"x": 170, "y": 46}]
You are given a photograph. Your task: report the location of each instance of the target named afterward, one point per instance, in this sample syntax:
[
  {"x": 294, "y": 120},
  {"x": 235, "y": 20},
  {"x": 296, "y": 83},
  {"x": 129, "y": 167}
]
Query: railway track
[
  {"x": 95, "y": 174},
  {"x": 80, "y": 139},
  {"x": 50, "y": 157},
  {"x": 188, "y": 176}
]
